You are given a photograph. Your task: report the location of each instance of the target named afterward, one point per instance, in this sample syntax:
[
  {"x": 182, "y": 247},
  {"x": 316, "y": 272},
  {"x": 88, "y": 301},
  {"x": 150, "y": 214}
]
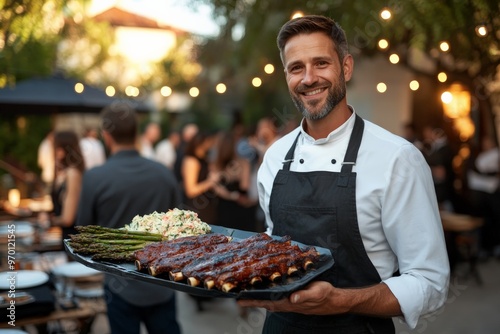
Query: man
[
  {"x": 127, "y": 185},
  {"x": 152, "y": 133},
  {"x": 92, "y": 149},
  {"x": 343, "y": 183}
]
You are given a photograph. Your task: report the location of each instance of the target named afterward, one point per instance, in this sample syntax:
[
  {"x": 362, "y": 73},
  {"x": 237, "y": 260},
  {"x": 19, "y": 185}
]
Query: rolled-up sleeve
[{"x": 414, "y": 231}]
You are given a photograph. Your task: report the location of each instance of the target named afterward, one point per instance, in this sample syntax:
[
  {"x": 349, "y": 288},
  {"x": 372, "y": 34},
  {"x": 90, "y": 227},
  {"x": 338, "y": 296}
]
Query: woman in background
[
  {"x": 198, "y": 182},
  {"x": 235, "y": 209},
  {"x": 69, "y": 168}
]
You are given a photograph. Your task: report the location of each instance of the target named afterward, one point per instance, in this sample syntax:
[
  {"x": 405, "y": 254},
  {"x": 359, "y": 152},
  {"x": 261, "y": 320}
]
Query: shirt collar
[{"x": 336, "y": 135}]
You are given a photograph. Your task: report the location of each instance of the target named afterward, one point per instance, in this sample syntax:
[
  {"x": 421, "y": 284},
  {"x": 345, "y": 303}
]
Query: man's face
[{"x": 314, "y": 74}]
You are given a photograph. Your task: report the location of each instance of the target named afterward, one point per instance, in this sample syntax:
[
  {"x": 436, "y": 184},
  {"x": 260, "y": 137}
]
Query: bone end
[
  {"x": 176, "y": 277},
  {"x": 193, "y": 281},
  {"x": 228, "y": 287},
  {"x": 275, "y": 277}
]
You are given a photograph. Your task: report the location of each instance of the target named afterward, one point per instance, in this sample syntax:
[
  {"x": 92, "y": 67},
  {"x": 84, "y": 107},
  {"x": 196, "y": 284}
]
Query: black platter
[{"x": 272, "y": 291}]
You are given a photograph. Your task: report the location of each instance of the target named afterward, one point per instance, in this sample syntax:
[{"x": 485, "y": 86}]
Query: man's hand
[{"x": 322, "y": 298}]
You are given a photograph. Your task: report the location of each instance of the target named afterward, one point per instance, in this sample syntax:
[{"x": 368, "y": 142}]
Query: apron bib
[{"x": 319, "y": 208}]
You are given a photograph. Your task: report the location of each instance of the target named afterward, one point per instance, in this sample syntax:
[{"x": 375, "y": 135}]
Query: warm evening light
[
  {"x": 381, "y": 87},
  {"x": 132, "y": 91},
  {"x": 456, "y": 101},
  {"x": 220, "y": 88},
  {"x": 166, "y": 91},
  {"x": 442, "y": 77},
  {"x": 383, "y": 44},
  {"x": 110, "y": 91},
  {"x": 444, "y": 46},
  {"x": 394, "y": 58},
  {"x": 297, "y": 14},
  {"x": 481, "y": 30},
  {"x": 194, "y": 92},
  {"x": 269, "y": 68},
  {"x": 256, "y": 82},
  {"x": 385, "y": 14},
  {"x": 79, "y": 87},
  {"x": 414, "y": 85}
]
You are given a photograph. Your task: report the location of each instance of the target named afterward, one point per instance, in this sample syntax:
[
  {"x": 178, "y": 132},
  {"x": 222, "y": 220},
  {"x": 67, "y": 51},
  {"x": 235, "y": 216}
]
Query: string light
[
  {"x": 79, "y": 87},
  {"x": 194, "y": 91},
  {"x": 166, "y": 91},
  {"x": 481, "y": 30},
  {"x": 256, "y": 82},
  {"x": 220, "y": 88},
  {"x": 394, "y": 58},
  {"x": 383, "y": 44},
  {"x": 269, "y": 68},
  {"x": 385, "y": 14},
  {"x": 444, "y": 46},
  {"x": 381, "y": 87},
  {"x": 110, "y": 91},
  {"x": 442, "y": 77},
  {"x": 414, "y": 85}
]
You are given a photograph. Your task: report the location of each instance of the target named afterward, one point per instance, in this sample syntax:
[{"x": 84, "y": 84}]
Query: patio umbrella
[{"x": 56, "y": 94}]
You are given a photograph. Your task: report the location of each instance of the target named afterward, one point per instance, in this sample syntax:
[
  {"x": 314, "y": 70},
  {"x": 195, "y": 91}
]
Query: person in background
[
  {"x": 92, "y": 149},
  {"x": 344, "y": 183},
  {"x": 198, "y": 180},
  {"x": 165, "y": 150},
  {"x": 67, "y": 184},
  {"x": 234, "y": 208},
  {"x": 45, "y": 160},
  {"x": 187, "y": 133},
  {"x": 483, "y": 181},
  {"x": 410, "y": 134},
  {"x": 125, "y": 186},
  {"x": 439, "y": 156},
  {"x": 151, "y": 134}
]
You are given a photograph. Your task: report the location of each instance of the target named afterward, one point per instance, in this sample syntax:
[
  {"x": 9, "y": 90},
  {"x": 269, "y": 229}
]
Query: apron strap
[
  {"x": 353, "y": 147},
  {"x": 289, "y": 156}
]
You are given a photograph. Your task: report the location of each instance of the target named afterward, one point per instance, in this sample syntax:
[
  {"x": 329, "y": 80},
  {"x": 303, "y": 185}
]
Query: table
[
  {"x": 462, "y": 232},
  {"x": 82, "y": 313}
]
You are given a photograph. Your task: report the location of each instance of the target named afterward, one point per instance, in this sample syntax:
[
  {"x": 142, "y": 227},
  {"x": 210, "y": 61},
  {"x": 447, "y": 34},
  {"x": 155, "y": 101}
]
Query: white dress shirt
[{"x": 397, "y": 209}]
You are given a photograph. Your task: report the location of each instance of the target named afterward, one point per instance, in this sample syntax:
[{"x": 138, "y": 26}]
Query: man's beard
[{"x": 334, "y": 97}]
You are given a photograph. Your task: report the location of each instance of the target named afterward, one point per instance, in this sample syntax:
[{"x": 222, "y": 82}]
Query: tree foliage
[{"x": 416, "y": 29}]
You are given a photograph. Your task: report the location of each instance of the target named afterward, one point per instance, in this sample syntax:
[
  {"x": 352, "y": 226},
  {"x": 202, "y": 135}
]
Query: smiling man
[{"x": 365, "y": 193}]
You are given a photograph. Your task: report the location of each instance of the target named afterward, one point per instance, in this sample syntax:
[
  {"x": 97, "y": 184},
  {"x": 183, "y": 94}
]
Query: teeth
[{"x": 316, "y": 91}]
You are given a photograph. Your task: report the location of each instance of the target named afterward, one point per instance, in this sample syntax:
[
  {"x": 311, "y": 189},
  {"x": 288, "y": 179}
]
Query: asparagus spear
[
  {"x": 105, "y": 243},
  {"x": 96, "y": 229}
]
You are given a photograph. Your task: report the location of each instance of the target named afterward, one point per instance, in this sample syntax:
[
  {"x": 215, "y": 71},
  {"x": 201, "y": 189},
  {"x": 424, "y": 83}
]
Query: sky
[{"x": 175, "y": 13}]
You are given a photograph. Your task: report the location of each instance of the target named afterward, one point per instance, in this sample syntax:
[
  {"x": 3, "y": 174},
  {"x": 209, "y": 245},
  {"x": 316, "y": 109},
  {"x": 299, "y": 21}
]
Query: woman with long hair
[{"x": 69, "y": 168}]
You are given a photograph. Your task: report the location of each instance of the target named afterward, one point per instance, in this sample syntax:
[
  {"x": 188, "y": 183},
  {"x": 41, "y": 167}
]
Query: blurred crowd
[
  {"x": 215, "y": 170},
  {"x": 467, "y": 186}
]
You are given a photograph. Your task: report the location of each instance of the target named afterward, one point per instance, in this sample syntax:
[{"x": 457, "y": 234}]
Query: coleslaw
[{"x": 173, "y": 224}]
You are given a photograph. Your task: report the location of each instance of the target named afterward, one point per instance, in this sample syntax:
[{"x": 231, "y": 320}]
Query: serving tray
[{"x": 272, "y": 291}]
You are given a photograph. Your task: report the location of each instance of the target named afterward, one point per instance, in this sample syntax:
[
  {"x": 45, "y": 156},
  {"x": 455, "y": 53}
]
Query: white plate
[
  {"x": 22, "y": 279},
  {"x": 74, "y": 270}
]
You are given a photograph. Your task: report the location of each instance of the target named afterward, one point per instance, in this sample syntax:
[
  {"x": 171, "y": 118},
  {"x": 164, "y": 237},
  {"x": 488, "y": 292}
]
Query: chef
[{"x": 343, "y": 183}]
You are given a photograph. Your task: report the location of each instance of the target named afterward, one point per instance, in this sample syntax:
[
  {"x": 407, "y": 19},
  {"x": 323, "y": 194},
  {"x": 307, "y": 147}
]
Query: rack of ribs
[
  {"x": 175, "y": 262},
  {"x": 252, "y": 270},
  {"x": 215, "y": 261},
  {"x": 162, "y": 249}
]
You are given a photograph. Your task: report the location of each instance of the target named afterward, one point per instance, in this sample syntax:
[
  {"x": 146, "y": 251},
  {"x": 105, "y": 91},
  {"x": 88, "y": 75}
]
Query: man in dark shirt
[{"x": 112, "y": 195}]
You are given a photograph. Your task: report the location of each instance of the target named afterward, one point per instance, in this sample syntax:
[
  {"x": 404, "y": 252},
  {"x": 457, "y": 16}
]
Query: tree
[{"x": 414, "y": 31}]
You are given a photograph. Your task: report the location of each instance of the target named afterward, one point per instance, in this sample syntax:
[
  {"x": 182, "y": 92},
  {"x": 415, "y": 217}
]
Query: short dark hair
[
  {"x": 314, "y": 23},
  {"x": 120, "y": 121}
]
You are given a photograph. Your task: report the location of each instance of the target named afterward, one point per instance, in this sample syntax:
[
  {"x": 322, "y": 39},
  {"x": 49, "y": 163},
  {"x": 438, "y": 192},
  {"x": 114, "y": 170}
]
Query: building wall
[{"x": 390, "y": 109}]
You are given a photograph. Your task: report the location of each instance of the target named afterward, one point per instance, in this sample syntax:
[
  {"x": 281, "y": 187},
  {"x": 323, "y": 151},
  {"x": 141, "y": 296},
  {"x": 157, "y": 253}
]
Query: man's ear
[{"x": 348, "y": 65}]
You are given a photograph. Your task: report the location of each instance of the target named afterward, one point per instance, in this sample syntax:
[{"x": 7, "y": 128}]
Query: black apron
[{"x": 319, "y": 208}]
